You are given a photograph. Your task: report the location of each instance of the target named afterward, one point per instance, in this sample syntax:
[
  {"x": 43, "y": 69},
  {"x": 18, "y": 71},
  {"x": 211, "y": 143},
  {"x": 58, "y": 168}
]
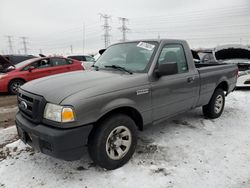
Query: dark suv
[{"x": 15, "y": 59}]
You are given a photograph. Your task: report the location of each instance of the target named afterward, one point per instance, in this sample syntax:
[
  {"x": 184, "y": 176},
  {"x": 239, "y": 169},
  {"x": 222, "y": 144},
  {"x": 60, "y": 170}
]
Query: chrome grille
[{"x": 31, "y": 106}]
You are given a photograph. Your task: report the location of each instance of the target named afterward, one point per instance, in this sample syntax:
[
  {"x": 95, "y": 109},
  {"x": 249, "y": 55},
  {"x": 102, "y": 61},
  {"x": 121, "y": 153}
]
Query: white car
[
  {"x": 87, "y": 61},
  {"x": 236, "y": 54},
  {"x": 244, "y": 75}
]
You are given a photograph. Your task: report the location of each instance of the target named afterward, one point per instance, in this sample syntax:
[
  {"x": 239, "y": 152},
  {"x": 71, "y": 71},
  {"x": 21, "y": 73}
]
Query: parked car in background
[
  {"x": 204, "y": 56},
  {"x": 236, "y": 54},
  {"x": 87, "y": 61},
  {"x": 12, "y": 79},
  {"x": 231, "y": 54}
]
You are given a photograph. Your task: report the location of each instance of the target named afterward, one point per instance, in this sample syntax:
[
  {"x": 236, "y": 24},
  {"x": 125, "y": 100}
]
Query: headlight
[{"x": 58, "y": 113}]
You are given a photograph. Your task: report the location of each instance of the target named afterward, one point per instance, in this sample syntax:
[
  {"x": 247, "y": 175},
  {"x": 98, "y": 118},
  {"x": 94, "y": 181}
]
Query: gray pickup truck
[{"x": 133, "y": 84}]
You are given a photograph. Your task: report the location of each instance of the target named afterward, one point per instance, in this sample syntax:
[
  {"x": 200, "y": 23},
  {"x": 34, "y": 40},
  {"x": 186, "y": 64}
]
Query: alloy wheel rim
[
  {"x": 118, "y": 143},
  {"x": 218, "y": 104},
  {"x": 15, "y": 86}
]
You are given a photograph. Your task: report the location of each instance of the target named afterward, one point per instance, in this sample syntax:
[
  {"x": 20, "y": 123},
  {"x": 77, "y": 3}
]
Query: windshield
[
  {"x": 133, "y": 56},
  {"x": 24, "y": 63}
]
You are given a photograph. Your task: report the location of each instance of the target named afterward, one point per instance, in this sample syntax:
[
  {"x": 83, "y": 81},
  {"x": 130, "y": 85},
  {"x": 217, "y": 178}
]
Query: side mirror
[
  {"x": 102, "y": 51},
  {"x": 167, "y": 69},
  {"x": 31, "y": 68}
]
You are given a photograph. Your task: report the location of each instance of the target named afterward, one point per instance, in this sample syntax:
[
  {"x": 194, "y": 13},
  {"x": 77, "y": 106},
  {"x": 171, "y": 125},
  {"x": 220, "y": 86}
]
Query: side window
[
  {"x": 174, "y": 53},
  {"x": 44, "y": 63},
  {"x": 58, "y": 62}
]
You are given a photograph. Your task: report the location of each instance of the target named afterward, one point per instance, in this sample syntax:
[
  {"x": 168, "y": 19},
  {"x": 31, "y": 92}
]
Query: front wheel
[
  {"x": 14, "y": 85},
  {"x": 113, "y": 141},
  {"x": 216, "y": 105}
]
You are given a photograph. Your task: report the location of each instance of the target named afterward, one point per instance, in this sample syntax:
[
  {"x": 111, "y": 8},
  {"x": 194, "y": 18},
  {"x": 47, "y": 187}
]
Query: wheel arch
[
  {"x": 19, "y": 78},
  {"x": 127, "y": 110},
  {"x": 223, "y": 85}
]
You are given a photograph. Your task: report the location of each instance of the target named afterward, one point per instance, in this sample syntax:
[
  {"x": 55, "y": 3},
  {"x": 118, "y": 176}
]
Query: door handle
[{"x": 190, "y": 79}]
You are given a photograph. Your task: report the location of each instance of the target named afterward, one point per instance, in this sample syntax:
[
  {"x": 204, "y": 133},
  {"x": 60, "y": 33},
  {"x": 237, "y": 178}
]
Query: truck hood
[
  {"x": 90, "y": 83},
  {"x": 5, "y": 64},
  {"x": 231, "y": 52}
]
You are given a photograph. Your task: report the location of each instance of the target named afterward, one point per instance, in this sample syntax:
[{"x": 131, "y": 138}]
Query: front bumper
[
  {"x": 66, "y": 144},
  {"x": 243, "y": 79}
]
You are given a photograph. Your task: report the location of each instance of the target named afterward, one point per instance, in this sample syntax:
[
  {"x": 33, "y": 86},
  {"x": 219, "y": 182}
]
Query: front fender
[{"x": 117, "y": 103}]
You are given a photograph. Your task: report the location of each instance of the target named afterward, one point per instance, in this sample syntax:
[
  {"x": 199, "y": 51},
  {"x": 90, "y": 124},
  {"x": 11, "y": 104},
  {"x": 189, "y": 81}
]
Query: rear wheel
[
  {"x": 216, "y": 105},
  {"x": 113, "y": 141},
  {"x": 14, "y": 85}
]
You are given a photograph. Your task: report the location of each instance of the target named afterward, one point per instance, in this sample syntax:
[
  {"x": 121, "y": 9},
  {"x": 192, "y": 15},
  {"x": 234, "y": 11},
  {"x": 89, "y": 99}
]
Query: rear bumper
[{"x": 66, "y": 144}]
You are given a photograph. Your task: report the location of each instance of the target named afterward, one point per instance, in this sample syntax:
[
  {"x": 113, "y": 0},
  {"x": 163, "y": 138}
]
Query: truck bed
[{"x": 211, "y": 75}]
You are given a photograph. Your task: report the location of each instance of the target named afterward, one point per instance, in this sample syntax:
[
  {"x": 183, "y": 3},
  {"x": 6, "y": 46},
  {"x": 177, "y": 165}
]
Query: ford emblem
[{"x": 23, "y": 105}]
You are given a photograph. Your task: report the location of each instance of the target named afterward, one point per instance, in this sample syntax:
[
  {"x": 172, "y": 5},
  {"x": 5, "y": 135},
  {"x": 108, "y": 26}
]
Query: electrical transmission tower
[
  {"x": 10, "y": 44},
  {"x": 24, "y": 41},
  {"x": 106, "y": 28},
  {"x": 124, "y": 29}
]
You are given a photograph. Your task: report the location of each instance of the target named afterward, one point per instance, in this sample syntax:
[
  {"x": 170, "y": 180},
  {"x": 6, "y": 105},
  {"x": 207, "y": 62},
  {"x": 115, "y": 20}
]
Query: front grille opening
[
  {"x": 26, "y": 98},
  {"x": 29, "y": 108},
  {"x": 34, "y": 105},
  {"x": 26, "y": 113}
]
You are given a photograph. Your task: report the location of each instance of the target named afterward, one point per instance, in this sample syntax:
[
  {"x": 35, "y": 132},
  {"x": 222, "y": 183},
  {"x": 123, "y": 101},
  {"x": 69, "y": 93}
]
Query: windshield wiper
[{"x": 118, "y": 68}]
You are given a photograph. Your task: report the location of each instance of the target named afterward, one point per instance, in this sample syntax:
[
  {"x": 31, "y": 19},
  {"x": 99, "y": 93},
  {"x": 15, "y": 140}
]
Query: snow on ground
[
  {"x": 8, "y": 135},
  {"x": 186, "y": 151}
]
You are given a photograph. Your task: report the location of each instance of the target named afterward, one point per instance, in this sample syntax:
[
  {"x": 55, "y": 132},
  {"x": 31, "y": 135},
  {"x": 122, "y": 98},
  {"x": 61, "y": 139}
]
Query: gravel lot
[
  {"x": 7, "y": 110},
  {"x": 187, "y": 151}
]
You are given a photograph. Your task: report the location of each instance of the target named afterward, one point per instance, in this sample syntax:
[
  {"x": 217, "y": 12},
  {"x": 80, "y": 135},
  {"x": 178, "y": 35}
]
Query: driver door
[{"x": 173, "y": 94}]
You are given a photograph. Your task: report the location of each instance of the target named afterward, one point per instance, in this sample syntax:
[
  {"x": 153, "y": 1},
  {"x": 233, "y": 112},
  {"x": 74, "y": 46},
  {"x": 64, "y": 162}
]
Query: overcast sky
[{"x": 55, "y": 26}]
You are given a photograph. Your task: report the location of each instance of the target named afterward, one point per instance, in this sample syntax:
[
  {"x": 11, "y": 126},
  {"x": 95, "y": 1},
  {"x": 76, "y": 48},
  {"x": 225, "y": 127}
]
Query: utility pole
[
  {"x": 159, "y": 36},
  {"x": 24, "y": 41},
  {"x": 71, "y": 49},
  {"x": 106, "y": 28},
  {"x": 10, "y": 44},
  {"x": 124, "y": 29},
  {"x": 83, "y": 40}
]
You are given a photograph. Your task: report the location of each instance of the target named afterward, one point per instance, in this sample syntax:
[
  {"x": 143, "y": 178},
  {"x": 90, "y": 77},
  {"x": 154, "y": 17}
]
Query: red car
[{"x": 12, "y": 77}]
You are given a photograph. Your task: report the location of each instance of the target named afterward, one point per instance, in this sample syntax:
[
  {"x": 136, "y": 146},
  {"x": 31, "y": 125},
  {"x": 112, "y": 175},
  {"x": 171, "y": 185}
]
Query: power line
[
  {"x": 106, "y": 28},
  {"x": 24, "y": 41},
  {"x": 10, "y": 44}
]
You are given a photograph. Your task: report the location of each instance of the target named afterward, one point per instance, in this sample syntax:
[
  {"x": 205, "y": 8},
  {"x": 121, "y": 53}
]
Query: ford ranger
[{"x": 133, "y": 84}]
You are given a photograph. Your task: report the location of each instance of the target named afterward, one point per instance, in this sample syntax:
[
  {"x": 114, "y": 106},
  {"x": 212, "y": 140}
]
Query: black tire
[
  {"x": 212, "y": 110},
  {"x": 14, "y": 85},
  {"x": 99, "y": 140}
]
